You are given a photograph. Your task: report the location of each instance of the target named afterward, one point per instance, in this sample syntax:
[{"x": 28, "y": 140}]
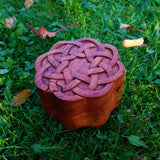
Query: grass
[{"x": 133, "y": 129}]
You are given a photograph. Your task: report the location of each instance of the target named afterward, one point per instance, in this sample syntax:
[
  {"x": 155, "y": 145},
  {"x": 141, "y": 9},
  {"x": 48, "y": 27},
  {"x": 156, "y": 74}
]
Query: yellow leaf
[
  {"x": 21, "y": 97},
  {"x": 133, "y": 43},
  {"x": 126, "y": 26},
  {"x": 10, "y": 22},
  {"x": 28, "y": 3}
]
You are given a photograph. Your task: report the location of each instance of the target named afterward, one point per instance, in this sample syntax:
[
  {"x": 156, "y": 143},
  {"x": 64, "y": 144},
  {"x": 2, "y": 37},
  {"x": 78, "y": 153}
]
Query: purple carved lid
[{"x": 73, "y": 70}]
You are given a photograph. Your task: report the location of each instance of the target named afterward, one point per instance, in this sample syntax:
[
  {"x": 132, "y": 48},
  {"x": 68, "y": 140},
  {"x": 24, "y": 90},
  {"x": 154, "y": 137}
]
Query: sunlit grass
[{"x": 26, "y": 132}]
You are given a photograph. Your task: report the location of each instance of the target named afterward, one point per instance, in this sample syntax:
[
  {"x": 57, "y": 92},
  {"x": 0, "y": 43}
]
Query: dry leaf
[
  {"x": 43, "y": 33},
  {"x": 33, "y": 30},
  {"x": 21, "y": 97},
  {"x": 133, "y": 43},
  {"x": 129, "y": 27},
  {"x": 126, "y": 26},
  {"x": 10, "y": 22},
  {"x": 28, "y": 3}
]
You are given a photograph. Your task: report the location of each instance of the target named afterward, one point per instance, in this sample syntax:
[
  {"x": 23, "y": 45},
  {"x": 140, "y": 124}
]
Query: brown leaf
[
  {"x": 21, "y": 97},
  {"x": 133, "y": 43},
  {"x": 28, "y": 3},
  {"x": 33, "y": 30},
  {"x": 10, "y": 22},
  {"x": 43, "y": 33},
  {"x": 126, "y": 26}
]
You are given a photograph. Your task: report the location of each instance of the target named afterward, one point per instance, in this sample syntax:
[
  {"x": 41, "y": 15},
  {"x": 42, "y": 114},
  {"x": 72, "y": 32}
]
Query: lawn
[{"x": 133, "y": 129}]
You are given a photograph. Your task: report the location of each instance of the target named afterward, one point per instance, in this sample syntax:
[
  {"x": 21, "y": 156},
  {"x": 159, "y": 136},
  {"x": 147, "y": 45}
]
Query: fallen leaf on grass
[
  {"x": 28, "y": 3},
  {"x": 10, "y": 22},
  {"x": 43, "y": 33},
  {"x": 129, "y": 27},
  {"x": 21, "y": 97},
  {"x": 133, "y": 43},
  {"x": 126, "y": 26}
]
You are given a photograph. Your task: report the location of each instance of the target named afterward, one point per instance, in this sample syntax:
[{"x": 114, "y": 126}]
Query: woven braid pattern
[{"x": 73, "y": 70}]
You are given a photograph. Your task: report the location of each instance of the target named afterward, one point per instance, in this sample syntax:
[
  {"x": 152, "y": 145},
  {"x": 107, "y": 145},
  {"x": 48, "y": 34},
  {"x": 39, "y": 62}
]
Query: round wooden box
[{"x": 80, "y": 82}]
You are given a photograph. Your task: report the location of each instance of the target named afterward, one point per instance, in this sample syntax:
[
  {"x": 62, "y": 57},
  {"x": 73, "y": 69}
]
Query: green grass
[{"x": 26, "y": 132}]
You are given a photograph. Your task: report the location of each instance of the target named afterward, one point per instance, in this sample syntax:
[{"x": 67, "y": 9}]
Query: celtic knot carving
[{"x": 73, "y": 70}]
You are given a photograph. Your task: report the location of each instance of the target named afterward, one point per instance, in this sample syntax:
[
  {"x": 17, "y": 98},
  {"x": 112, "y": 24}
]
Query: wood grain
[{"x": 80, "y": 83}]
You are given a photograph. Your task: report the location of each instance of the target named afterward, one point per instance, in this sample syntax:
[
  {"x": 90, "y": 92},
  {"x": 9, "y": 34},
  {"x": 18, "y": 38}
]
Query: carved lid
[{"x": 73, "y": 70}]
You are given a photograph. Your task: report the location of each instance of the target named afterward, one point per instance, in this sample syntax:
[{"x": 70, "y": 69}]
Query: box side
[
  {"x": 89, "y": 112},
  {"x": 47, "y": 100}
]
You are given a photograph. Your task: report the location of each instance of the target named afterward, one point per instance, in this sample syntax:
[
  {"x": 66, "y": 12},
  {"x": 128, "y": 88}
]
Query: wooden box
[{"x": 80, "y": 82}]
